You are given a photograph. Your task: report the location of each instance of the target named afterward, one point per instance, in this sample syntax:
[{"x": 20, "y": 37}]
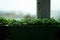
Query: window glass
[
  {"x": 55, "y": 9},
  {"x": 17, "y": 9}
]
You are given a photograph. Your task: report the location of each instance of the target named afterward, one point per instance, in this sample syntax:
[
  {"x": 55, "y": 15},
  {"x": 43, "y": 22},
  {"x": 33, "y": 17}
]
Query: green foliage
[
  {"x": 13, "y": 22},
  {"x": 3, "y": 21}
]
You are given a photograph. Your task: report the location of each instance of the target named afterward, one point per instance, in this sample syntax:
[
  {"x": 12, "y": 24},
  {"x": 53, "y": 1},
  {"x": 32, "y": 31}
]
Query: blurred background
[
  {"x": 19, "y": 9},
  {"x": 55, "y": 9}
]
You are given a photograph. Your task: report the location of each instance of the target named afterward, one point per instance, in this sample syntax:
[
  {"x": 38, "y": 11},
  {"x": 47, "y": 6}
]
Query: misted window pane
[
  {"x": 17, "y": 9},
  {"x": 55, "y": 9}
]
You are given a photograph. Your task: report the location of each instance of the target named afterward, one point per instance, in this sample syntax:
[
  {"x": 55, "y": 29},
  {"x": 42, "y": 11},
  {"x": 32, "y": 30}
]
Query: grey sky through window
[
  {"x": 55, "y": 4},
  {"x": 25, "y": 6},
  {"x": 55, "y": 9}
]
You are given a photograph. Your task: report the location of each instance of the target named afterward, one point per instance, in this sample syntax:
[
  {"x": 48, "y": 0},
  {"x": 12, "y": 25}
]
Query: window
[
  {"x": 17, "y": 8},
  {"x": 55, "y": 9}
]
